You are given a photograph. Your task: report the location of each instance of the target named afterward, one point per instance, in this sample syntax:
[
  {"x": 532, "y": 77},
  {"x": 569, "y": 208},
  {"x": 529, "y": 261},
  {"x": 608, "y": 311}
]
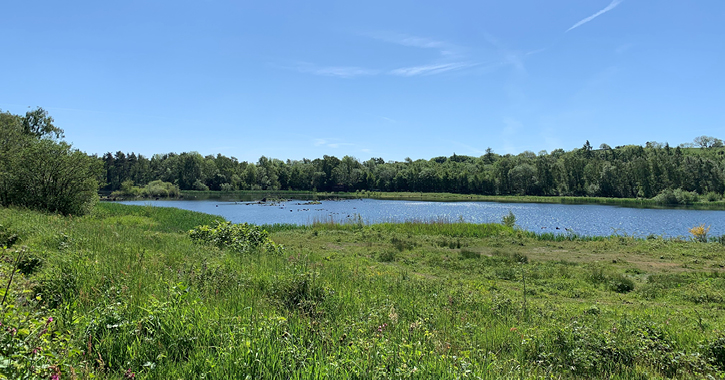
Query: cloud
[
  {"x": 608, "y": 8},
  {"x": 430, "y": 69},
  {"x": 413, "y": 41},
  {"x": 345, "y": 72},
  {"x": 330, "y": 143},
  {"x": 336, "y": 71},
  {"x": 451, "y": 58}
]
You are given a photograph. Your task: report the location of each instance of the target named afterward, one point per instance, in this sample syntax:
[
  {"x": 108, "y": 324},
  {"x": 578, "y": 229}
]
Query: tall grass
[{"x": 131, "y": 295}]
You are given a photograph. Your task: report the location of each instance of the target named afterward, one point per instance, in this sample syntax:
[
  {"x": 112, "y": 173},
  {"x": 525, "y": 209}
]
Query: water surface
[{"x": 539, "y": 217}]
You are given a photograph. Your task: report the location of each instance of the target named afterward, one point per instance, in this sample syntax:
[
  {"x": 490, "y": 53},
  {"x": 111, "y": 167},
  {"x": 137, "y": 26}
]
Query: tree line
[
  {"x": 623, "y": 172},
  {"x": 39, "y": 170}
]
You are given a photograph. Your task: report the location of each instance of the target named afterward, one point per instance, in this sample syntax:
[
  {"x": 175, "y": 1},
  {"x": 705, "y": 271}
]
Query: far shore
[{"x": 444, "y": 197}]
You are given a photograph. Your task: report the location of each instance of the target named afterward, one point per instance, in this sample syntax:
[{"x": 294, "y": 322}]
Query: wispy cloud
[
  {"x": 451, "y": 57},
  {"x": 608, "y": 8},
  {"x": 330, "y": 143},
  {"x": 336, "y": 71},
  {"x": 430, "y": 69},
  {"x": 413, "y": 41}
]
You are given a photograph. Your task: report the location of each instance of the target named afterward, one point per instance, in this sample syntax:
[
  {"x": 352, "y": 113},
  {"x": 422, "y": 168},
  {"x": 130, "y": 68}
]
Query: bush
[
  {"x": 676, "y": 197},
  {"x": 509, "y": 220},
  {"x": 238, "y": 237},
  {"x": 39, "y": 172},
  {"x": 160, "y": 188},
  {"x": 713, "y": 196},
  {"x": 621, "y": 284}
]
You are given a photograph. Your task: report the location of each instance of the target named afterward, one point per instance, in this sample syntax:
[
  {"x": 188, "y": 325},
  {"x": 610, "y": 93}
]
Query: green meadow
[{"x": 124, "y": 292}]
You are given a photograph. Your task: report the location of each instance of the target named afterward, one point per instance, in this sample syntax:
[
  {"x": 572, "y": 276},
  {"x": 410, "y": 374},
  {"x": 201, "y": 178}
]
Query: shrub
[
  {"x": 39, "y": 172},
  {"x": 238, "y": 237},
  {"x": 160, "y": 188},
  {"x": 509, "y": 220},
  {"x": 676, "y": 197},
  {"x": 621, "y": 284},
  {"x": 699, "y": 233},
  {"x": 713, "y": 196}
]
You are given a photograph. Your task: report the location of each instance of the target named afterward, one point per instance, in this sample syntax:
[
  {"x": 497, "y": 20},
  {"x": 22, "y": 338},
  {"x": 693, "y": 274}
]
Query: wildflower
[{"x": 129, "y": 374}]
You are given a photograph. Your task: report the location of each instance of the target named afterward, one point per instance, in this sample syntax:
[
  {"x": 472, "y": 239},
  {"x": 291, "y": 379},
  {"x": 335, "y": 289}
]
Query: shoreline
[{"x": 449, "y": 197}]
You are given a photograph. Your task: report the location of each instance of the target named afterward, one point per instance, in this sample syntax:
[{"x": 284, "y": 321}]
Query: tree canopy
[{"x": 41, "y": 172}]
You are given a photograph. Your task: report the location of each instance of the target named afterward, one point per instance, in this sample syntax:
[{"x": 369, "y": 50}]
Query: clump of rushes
[
  {"x": 699, "y": 233},
  {"x": 238, "y": 237}
]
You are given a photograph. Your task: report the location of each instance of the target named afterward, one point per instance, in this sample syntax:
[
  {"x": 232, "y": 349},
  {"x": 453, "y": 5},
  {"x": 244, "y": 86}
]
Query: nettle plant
[{"x": 238, "y": 237}]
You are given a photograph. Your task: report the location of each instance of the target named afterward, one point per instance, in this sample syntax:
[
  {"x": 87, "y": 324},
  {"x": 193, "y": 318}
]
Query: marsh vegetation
[{"x": 126, "y": 292}]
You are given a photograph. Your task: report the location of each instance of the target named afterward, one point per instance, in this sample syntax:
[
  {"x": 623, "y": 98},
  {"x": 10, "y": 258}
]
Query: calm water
[{"x": 539, "y": 217}]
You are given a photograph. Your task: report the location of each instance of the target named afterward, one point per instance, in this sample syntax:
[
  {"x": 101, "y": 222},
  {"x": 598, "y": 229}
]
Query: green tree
[{"x": 38, "y": 172}]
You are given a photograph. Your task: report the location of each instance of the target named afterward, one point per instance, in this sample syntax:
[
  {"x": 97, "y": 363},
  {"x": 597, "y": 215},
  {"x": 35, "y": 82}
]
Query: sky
[{"x": 391, "y": 79}]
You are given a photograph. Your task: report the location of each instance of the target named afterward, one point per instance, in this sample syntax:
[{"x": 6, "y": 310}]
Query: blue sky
[{"x": 391, "y": 79}]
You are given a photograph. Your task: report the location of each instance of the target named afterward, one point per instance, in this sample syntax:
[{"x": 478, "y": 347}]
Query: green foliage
[
  {"x": 509, "y": 220},
  {"x": 41, "y": 173},
  {"x": 8, "y": 237},
  {"x": 199, "y": 186},
  {"x": 387, "y": 256},
  {"x": 153, "y": 189},
  {"x": 621, "y": 284},
  {"x": 469, "y": 254},
  {"x": 300, "y": 289},
  {"x": 160, "y": 188},
  {"x": 237, "y": 237},
  {"x": 132, "y": 296},
  {"x": 628, "y": 174},
  {"x": 676, "y": 197}
]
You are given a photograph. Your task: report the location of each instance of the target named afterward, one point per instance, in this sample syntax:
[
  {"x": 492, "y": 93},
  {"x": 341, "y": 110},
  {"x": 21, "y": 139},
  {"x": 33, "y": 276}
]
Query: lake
[{"x": 592, "y": 220}]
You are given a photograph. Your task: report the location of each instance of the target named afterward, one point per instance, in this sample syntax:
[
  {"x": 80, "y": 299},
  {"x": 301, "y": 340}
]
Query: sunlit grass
[{"x": 419, "y": 299}]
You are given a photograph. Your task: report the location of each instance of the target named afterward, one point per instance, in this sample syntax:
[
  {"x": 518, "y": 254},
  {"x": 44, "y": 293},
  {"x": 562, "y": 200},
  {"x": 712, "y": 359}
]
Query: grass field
[{"x": 125, "y": 293}]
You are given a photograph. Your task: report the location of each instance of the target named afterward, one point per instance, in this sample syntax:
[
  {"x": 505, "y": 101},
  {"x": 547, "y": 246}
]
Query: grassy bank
[
  {"x": 448, "y": 197},
  {"x": 124, "y": 292}
]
